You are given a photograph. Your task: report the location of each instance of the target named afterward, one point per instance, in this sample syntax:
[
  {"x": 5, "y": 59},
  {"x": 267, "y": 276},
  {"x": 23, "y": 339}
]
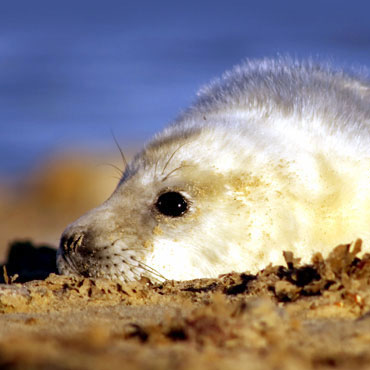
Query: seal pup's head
[
  {"x": 267, "y": 159},
  {"x": 177, "y": 213}
]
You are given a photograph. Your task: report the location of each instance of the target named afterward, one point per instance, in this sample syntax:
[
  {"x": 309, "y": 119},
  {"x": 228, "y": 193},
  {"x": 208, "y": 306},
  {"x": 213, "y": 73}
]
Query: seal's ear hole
[{"x": 171, "y": 204}]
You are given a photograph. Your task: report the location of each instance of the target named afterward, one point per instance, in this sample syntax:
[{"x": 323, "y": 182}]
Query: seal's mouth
[
  {"x": 77, "y": 256},
  {"x": 67, "y": 264}
]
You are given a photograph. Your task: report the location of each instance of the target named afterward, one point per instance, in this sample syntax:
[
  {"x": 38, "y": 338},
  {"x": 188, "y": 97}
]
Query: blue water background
[{"x": 72, "y": 71}]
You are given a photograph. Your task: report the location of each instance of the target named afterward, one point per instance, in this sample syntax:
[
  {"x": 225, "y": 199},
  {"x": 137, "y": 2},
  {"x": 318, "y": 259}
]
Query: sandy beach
[{"x": 284, "y": 317}]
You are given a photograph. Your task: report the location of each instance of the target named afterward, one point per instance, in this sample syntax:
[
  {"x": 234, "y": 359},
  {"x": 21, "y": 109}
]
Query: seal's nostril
[
  {"x": 64, "y": 243},
  {"x": 71, "y": 243}
]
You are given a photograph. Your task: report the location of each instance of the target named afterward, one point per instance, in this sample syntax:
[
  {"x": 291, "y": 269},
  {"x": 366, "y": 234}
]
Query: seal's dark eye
[{"x": 171, "y": 204}]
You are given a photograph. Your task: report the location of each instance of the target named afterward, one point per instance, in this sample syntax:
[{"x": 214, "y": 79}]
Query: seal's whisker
[
  {"x": 176, "y": 169},
  {"x": 142, "y": 265},
  {"x": 151, "y": 270},
  {"x": 171, "y": 156},
  {"x": 120, "y": 150},
  {"x": 155, "y": 167},
  {"x": 120, "y": 171}
]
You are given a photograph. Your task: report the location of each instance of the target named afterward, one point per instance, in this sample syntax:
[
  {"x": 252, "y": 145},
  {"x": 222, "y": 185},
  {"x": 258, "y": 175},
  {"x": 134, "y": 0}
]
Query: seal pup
[{"x": 273, "y": 156}]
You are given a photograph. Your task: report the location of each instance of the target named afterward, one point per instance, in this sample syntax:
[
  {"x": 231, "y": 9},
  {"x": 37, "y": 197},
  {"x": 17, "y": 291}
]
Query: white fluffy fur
[{"x": 273, "y": 156}]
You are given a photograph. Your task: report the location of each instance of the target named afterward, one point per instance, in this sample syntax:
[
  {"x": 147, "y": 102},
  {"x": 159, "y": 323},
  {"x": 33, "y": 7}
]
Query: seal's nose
[{"x": 74, "y": 251}]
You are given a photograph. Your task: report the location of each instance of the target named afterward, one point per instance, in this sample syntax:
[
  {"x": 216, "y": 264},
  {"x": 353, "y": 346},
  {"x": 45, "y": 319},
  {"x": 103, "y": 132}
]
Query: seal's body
[{"x": 273, "y": 156}]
